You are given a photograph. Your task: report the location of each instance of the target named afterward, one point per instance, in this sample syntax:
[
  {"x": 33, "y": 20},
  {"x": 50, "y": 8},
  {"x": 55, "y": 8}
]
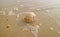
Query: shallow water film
[{"x": 29, "y": 18}]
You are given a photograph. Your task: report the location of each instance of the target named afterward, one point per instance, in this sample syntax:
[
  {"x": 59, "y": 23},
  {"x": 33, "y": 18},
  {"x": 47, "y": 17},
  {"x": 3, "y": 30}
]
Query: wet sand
[{"x": 48, "y": 14}]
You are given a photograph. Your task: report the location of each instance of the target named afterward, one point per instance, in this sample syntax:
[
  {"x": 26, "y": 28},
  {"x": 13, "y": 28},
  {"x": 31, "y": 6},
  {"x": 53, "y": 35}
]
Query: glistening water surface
[{"x": 47, "y": 13}]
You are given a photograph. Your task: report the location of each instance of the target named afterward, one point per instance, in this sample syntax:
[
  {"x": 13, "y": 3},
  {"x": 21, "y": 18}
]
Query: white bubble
[
  {"x": 34, "y": 33},
  {"x": 25, "y": 29},
  {"x": 21, "y": 5},
  {"x": 16, "y": 18},
  {"x": 18, "y": 15},
  {"x": 16, "y": 8},
  {"x": 59, "y": 32},
  {"x": 2, "y": 13},
  {"x": 34, "y": 30},
  {"x": 37, "y": 9},
  {"x": 32, "y": 14},
  {"x": 40, "y": 24},
  {"x": 37, "y": 26},
  {"x": 11, "y": 13},
  {"x": 47, "y": 10},
  {"x": 18, "y": 1},
  {"x": 31, "y": 8},
  {"x": 5, "y": 8},
  {"x": 23, "y": 1},
  {"x": 51, "y": 28}
]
